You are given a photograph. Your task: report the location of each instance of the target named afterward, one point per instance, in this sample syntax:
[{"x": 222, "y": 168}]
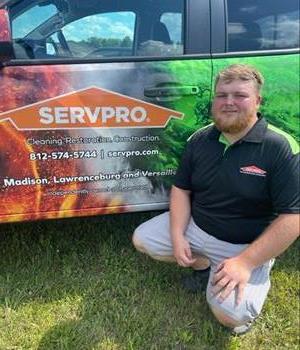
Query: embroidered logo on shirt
[{"x": 253, "y": 170}]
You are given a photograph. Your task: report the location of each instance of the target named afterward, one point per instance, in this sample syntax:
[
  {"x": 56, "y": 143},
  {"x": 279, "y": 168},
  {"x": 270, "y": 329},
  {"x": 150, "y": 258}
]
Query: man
[{"x": 234, "y": 204}]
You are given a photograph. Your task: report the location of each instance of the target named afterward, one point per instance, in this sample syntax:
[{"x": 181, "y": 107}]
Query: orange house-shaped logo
[{"x": 90, "y": 107}]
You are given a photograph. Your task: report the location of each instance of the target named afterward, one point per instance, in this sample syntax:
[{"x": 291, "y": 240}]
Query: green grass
[{"x": 79, "y": 284}]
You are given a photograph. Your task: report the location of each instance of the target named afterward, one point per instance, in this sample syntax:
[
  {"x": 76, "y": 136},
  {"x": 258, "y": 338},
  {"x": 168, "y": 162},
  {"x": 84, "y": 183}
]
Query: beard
[{"x": 232, "y": 125}]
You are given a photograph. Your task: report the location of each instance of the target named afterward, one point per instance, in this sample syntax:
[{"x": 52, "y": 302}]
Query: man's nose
[{"x": 229, "y": 99}]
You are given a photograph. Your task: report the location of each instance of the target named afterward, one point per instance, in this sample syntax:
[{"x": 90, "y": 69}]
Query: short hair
[{"x": 241, "y": 72}]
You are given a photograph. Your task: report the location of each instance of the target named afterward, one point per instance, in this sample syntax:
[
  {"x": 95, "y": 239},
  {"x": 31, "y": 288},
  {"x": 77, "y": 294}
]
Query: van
[{"x": 98, "y": 97}]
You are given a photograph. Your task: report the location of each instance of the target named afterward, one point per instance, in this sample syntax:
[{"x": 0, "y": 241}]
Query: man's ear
[{"x": 259, "y": 100}]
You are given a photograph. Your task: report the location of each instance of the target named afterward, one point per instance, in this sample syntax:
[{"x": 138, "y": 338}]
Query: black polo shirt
[{"x": 238, "y": 189}]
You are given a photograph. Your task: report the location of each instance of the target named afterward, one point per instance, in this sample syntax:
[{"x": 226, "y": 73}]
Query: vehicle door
[{"x": 98, "y": 103}]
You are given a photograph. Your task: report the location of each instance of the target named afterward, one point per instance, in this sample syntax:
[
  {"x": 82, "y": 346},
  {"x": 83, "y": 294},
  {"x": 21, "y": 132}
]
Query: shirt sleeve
[
  {"x": 285, "y": 183},
  {"x": 184, "y": 171}
]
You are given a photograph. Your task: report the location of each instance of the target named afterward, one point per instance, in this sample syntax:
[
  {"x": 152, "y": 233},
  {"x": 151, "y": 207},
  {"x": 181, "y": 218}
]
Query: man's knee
[
  {"x": 137, "y": 242},
  {"x": 225, "y": 319},
  {"x": 228, "y": 313}
]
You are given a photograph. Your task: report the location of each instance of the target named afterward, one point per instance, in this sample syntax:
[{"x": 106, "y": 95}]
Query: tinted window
[
  {"x": 262, "y": 25},
  {"x": 95, "y": 29},
  {"x": 101, "y": 35}
]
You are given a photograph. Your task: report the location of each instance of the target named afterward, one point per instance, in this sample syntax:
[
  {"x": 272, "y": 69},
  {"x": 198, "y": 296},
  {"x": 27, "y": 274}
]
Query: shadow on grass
[{"x": 84, "y": 275}]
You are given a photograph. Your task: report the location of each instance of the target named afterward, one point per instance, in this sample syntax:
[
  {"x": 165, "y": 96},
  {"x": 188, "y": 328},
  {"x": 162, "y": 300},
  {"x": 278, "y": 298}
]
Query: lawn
[{"x": 79, "y": 284}]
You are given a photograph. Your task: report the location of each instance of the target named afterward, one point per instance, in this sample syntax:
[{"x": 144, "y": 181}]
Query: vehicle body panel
[
  {"x": 87, "y": 130},
  {"x": 31, "y": 171}
]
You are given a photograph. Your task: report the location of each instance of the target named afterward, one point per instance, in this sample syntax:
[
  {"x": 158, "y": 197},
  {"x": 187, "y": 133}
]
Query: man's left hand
[{"x": 230, "y": 274}]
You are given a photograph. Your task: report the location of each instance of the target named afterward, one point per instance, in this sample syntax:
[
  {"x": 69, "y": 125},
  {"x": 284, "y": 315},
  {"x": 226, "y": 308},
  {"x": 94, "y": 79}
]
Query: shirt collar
[{"x": 255, "y": 134}]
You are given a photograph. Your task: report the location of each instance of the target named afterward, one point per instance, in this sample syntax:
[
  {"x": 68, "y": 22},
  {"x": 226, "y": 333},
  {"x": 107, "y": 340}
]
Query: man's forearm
[
  {"x": 274, "y": 240},
  {"x": 180, "y": 212}
]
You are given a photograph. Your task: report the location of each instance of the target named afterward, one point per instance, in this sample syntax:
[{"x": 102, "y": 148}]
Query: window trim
[
  {"x": 237, "y": 54},
  {"x": 39, "y": 62},
  {"x": 197, "y": 29}
]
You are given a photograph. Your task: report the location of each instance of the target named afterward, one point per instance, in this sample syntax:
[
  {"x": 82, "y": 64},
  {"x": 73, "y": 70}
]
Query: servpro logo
[
  {"x": 83, "y": 115},
  {"x": 91, "y": 107},
  {"x": 253, "y": 170}
]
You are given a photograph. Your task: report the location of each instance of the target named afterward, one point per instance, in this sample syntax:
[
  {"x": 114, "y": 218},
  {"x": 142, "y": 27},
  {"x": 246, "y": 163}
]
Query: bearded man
[{"x": 234, "y": 204}]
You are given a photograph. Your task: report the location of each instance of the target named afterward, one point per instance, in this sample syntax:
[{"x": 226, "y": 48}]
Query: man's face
[{"x": 235, "y": 105}]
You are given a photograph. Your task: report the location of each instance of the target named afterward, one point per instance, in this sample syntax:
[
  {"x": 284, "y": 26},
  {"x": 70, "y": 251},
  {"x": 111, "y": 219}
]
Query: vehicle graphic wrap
[
  {"x": 196, "y": 110},
  {"x": 80, "y": 140},
  {"x": 68, "y": 145},
  {"x": 4, "y": 24},
  {"x": 24, "y": 180}
]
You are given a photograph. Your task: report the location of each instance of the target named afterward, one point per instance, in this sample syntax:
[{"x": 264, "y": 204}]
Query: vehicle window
[
  {"x": 101, "y": 35},
  {"x": 262, "y": 25},
  {"x": 173, "y": 23},
  {"x": 88, "y": 29},
  {"x": 165, "y": 36}
]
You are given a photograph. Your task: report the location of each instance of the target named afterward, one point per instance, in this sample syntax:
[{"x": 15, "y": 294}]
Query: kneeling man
[{"x": 235, "y": 202}]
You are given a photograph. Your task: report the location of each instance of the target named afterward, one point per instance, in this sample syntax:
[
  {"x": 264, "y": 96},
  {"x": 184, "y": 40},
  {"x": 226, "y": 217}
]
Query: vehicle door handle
[{"x": 171, "y": 91}]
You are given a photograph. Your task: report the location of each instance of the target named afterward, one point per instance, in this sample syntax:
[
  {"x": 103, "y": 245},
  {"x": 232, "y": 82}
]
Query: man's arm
[
  {"x": 236, "y": 271},
  {"x": 274, "y": 241},
  {"x": 180, "y": 214}
]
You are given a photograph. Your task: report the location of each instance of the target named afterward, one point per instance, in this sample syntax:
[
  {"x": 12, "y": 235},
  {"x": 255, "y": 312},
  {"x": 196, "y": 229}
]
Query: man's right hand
[
  {"x": 180, "y": 215},
  {"x": 182, "y": 252}
]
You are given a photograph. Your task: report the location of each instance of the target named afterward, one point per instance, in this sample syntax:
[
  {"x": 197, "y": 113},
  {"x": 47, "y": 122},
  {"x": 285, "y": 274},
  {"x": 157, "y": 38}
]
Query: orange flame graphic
[{"x": 23, "y": 86}]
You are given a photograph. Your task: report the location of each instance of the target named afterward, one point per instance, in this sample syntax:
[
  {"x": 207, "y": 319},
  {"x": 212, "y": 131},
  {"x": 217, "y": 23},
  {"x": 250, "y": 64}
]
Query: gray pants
[{"x": 154, "y": 237}]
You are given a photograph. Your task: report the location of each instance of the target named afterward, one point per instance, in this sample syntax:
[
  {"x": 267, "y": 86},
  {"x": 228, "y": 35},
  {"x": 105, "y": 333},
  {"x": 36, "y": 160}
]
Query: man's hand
[
  {"x": 230, "y": 274},
  {"x": 182, "y": 252}
]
